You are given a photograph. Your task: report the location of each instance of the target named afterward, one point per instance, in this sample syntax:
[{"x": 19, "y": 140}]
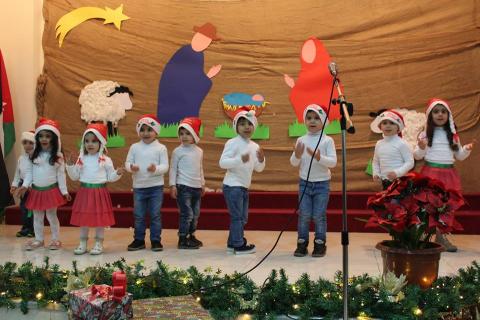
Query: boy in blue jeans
[
  {"x": 317, "y": 188},
  {"x": 147, "y": 160},
  {"x": 187, "y": 183},
  {"x": 240, "y": 157}
]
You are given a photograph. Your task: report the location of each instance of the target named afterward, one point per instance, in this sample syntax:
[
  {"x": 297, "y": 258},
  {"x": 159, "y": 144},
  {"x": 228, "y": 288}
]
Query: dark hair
[
  {"x": 431, "y": 127},
  {"x": 376, "y": 114},
  {"x": 53, "y": 152},
  {"x": 121, "y": 89}
]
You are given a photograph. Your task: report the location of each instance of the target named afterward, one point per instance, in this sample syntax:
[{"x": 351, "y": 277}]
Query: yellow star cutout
[{"x": 115, "y": 16}]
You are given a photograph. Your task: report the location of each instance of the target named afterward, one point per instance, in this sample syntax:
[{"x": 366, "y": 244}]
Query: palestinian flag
[
  {"x": 6, "y": 109},
  {"x": 9, "y": 135}
]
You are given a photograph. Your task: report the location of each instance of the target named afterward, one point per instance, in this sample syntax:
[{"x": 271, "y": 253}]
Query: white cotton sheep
[
  {"x": 104, "y": 101},
  {"x": 414, "y": 125}
]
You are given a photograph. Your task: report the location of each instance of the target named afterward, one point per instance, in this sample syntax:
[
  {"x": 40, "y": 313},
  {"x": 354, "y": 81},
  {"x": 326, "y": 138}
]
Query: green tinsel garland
[{"x": 227, "y": 296}]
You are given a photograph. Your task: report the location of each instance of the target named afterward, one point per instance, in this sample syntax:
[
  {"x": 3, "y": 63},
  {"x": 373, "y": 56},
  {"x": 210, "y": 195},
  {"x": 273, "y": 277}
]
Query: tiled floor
[{"x": 363, "y": 257}]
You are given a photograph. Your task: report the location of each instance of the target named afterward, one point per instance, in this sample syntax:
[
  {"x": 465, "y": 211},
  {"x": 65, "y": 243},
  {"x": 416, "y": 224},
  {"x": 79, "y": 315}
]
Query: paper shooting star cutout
[{"x": 77, "y": 16}]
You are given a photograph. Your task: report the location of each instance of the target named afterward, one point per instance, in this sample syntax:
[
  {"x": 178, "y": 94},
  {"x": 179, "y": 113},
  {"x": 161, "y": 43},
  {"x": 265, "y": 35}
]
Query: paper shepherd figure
[{"x": 184, "y": 84}]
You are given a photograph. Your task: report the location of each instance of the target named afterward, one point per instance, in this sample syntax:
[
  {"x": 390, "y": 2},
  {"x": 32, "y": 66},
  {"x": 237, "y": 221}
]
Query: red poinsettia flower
[{"x": 413, "y": 207}]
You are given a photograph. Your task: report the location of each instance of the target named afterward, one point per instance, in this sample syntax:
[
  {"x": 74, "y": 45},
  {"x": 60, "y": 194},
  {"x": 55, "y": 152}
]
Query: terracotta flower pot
[{"x": 419, "y": 266}]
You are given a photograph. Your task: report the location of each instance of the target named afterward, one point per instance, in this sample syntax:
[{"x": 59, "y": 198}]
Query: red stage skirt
[
  {"x": 40, "y": 200},
  {"x": 92, "y": 208},
  {"x": 449, "y": 176}
]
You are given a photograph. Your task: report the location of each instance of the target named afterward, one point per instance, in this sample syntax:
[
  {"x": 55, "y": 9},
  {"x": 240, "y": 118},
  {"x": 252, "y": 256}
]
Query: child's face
[
  {"x": 45, "y": 139},
  {"x": 28, "y": 146},
  {"x": 147, "y": 134},
  {"x": 245, "y": 128},
  {"x": 439, "y": 115},
  {"x": 185, "y": 136},
  {"x": 389, "y": 128},
  {"x": 91, "y": 144},
  {"x": 313, "y": 122}
]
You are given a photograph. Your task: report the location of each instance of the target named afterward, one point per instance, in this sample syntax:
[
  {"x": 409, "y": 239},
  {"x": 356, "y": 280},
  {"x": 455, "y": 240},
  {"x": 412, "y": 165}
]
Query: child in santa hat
[
  {"x": 314, "y": 185},
  {"x": 92, "y": 206},
  {"x": 18, "y": 188},
  {"x": 187, "y": 183},
  {"x": 147, "y": 160},
  {"x": 240, "y": 157},
  {"x": 393, "y": 157},
  {"x": 48, "y": 182},
  {"x": 440, "y": 145}
]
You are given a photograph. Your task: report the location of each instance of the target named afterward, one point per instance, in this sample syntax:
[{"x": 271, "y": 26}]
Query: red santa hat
[
  {"x": 192, "y": 125},
  {"x": 100, "y": 131},
  {"x": 390, "y": 115},
  {"x": 246, "y": 113},
  {"x": 149, "y": 120},
  {"x": 28, "y": 136},
  {"x": 51, "y": 125},
  {"x": 320, "y": 110},
  {"x": 435, "y": 101}
]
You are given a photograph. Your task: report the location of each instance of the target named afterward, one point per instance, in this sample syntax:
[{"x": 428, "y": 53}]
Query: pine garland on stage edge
[{"x": 227, "y": 296}]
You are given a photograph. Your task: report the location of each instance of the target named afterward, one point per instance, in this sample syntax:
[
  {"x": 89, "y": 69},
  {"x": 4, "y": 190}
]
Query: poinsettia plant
[{"x": 412, "y": 208}]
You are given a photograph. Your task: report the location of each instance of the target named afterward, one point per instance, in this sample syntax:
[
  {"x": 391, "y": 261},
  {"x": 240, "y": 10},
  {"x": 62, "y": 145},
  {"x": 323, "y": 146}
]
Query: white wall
[{"x": 21, "y": 28}]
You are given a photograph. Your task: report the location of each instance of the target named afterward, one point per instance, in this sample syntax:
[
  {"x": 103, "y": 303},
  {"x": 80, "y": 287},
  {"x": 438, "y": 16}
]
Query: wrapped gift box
[{"x": 85, "y": 305}]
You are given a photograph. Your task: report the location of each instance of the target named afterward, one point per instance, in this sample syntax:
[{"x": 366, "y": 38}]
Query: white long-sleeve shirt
[
  {"x": 239, "y": 174},
  {"x": 24, "y": 165},
  {"x": 392, "y": 154},
  {"x": 186, "y": 166},
  {"x": 440, "y": 151},
  {"x": 93, "y": 171},
  {"x": 43, "y": 174},
  {"x": 320, "y": 170},
  {"x": 143, "y": 155}
]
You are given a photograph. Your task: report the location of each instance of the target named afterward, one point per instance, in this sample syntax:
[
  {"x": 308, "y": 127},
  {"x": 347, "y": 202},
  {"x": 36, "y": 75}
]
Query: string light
[
  {"x": 244, "y": 316},
  {"x": 139, "y": 281},
  {"x": 39, "y": 296},
  {"x": 417, "y": 311},
  {"x": 296, "y": 306},
  {"x": 198, "y": 299}
]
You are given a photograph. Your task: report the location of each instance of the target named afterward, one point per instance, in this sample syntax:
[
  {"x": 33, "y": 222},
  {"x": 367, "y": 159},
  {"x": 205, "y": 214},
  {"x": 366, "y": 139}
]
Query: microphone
[{"x": 332, "y": 67}]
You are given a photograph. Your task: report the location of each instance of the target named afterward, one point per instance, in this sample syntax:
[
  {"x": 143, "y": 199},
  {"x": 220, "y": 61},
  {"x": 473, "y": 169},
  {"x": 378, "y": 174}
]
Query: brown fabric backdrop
[{"x": 393, "y": 53}]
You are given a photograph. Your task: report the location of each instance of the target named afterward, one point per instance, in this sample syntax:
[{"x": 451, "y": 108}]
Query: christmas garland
[{"x": 227, "y": 296}]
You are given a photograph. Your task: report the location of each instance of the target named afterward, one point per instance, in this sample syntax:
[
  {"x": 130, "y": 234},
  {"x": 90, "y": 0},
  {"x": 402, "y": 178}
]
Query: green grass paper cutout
[
  {"x": 369, "y": 169},
  {"x": 226, "y": 131},
  {"x": 170, "y": 131},
  {"x": 297, "y": 129}
]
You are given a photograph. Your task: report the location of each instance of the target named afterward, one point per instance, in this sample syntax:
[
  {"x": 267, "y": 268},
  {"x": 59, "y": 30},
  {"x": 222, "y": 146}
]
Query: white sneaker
[
  {"x": 82, "y": 247},
  {"x": 97, "y": 248}
]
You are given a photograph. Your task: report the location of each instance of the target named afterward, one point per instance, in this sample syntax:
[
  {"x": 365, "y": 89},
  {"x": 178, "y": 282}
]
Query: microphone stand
[{"x": 346, "y": 109}]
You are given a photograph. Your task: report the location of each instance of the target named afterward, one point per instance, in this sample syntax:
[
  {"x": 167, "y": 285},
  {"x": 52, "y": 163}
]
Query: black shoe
[
  {"x": 195, "y": 240},
  {"x": 245, "y": 249},
  {"x": 156, "y": 246},
  {"x": 30, "y": 234},
  {"x": 186, "y": 243},
  {"x": 22, "y": 233},
  {"x": 136, "y": 245},
  {"x": 301, "y": 250},
  {"x": 319, "y": 248}
]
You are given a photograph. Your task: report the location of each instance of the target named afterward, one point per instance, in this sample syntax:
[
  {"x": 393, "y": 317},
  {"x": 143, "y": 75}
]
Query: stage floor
[{"x": 363, "y": 256}]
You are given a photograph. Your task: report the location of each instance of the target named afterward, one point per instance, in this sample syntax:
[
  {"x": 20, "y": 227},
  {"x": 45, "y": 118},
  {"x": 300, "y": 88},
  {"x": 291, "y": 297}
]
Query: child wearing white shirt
[
  {"x": 240, "y": 157},
  {"x": 315, "y": 190},
  {"x": 147, "y": 160},
  {"x": 93, "y": 206},
  {"x": 187, "y": 183}
]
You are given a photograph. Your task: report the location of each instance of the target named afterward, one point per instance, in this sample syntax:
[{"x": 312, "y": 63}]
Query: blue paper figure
[{"x": 184, "y": 84}]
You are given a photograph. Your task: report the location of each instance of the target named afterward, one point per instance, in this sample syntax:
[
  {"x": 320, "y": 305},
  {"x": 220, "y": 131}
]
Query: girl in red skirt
[
  {"x": 440, "y": 146},
  {"x": 92, "y": 206},
  {"x": 47, "y": 180}
]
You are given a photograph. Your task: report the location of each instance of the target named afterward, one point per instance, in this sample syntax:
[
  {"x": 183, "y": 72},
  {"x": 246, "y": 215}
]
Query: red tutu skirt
[
  {"x": 92, "y": 208},
  {"x": 449, "y": 176},
  {"x": 40, "y": 200}
]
